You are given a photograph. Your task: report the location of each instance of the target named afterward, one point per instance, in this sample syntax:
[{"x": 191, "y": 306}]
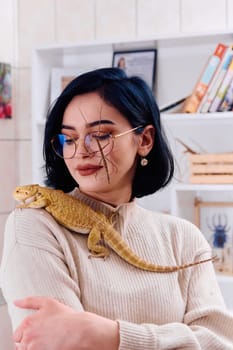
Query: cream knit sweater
[{"x": 179, "y": 310}]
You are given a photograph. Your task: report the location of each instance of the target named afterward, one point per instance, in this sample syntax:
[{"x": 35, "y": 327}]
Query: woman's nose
[{"x": 82, "y": 147}]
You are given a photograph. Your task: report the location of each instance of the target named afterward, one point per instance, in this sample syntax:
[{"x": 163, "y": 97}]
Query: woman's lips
[{"x": 88, "y": 169}]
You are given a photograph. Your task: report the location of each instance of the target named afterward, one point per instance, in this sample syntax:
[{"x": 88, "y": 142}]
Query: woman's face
[{"x": 105, "y": 174}]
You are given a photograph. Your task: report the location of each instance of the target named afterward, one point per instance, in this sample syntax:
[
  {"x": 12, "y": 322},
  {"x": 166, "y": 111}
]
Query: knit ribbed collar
[{"x": 105, "y": 208}]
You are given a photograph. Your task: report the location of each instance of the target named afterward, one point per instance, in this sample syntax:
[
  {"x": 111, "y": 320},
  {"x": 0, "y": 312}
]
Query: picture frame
[
  {"x": 5, "y": 91},
  {"x": 141, "y": 63},
  {"x": 215, "y": 220},
  {"x": 60, "y": 78}
]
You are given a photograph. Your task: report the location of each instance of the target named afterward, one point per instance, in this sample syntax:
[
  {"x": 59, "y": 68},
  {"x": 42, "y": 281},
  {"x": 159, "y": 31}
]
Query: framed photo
[
  {"x": 215, "y": 220},
  {"x": 60, "y": 78},
  {"x": 5, "y": 91},
  {"x": 140, "y": 62}
]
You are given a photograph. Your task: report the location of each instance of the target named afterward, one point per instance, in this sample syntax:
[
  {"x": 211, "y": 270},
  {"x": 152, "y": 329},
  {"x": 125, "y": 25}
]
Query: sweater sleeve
[
  {"x": 206, "y": 323},
  {"x": 32, "y": 249}
]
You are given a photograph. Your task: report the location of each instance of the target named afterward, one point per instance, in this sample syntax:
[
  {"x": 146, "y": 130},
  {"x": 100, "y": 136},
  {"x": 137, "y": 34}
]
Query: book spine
[
  {"x": 222, "y": 89},
  {"x": 216, "y": 81},
  {"x": 227, "y": 102},
  {"x": 200, "y": 88}
]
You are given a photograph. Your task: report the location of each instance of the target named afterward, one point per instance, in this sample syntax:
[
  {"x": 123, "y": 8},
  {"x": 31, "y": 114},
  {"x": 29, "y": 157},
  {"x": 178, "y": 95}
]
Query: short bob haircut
[{"x": 133, "y": 98}]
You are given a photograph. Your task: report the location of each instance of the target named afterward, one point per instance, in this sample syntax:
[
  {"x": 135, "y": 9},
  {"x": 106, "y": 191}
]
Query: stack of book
[{"x": 213, "y": 91}]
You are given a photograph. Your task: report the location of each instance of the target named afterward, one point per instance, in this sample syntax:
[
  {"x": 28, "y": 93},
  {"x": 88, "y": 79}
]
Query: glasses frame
[{"x": 113, "y": 137}]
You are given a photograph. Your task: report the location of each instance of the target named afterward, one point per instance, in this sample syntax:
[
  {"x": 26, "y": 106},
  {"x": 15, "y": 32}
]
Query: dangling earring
[{"x": 144, "y": 161}]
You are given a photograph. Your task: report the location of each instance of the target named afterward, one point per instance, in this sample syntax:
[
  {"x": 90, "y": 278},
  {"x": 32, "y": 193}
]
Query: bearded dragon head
[{"x": 25, "y": 194}]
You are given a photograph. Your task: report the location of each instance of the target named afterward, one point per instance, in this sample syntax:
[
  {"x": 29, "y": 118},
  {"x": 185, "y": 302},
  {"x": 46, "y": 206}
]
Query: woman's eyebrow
[
  {"x": 91, "y": 124},
  {"x": 100, "y": 121},
  {"x": 63, "y": 126}
]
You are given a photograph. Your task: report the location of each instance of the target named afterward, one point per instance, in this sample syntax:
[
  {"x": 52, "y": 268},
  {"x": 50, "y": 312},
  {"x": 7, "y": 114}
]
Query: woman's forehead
[
  {"x": 91, "y": 109},
  {"x": 88, "y": 101}
]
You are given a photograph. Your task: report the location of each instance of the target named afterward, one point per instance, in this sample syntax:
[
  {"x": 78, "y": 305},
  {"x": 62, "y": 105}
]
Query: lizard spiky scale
[{"x": 79, "y": 217}]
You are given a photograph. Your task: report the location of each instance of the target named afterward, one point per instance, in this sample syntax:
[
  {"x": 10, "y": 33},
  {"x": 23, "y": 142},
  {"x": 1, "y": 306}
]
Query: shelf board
[
  {"x": 202, "y": 187},
  {"x": 218, "y": 117}
]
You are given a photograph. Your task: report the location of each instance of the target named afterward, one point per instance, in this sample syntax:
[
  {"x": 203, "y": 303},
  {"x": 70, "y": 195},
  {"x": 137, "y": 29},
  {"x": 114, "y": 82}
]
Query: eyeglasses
[{"x": 96, "y": 142}]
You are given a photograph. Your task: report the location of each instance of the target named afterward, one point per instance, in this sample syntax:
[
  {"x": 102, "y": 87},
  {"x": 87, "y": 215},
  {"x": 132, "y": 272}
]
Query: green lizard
[{"x": 79, "y": 217}]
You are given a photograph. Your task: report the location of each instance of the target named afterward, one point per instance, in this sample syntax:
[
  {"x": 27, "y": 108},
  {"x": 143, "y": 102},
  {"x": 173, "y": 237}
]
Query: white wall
[{"x": 26, "y": 23}]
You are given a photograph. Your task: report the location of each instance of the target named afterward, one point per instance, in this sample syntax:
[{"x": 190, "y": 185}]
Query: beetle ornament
[{"x": 219, "y": 229}]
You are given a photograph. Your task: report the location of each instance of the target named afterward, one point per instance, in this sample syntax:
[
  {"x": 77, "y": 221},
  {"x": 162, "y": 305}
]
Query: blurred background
[{"x": 27, "y": 24}]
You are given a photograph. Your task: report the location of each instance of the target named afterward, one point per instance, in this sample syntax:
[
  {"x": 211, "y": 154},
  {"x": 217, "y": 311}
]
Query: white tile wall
[
  {"x": 22, "y": 103},
  {"x": 229, "y": 13},
  {"x": 75, "y": 20},
  {"x": 7, "y": 30},
  {"x": 24, "y": 156},
  {"x": 9, "y": 166},
  {"x": 203, "y": 15},
  {"x": 157, "y": 17},
  {"x": 115, "y": 19},
  {"x": 7, "y": 129}
]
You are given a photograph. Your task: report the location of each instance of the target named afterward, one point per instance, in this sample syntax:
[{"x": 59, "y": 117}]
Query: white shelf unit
[
  {"x": 179, "y": 62},
  {"x": 211, "y": 133}
]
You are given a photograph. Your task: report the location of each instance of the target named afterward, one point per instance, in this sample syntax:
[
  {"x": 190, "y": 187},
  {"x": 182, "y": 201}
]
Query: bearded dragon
[{"x": 79, "y": 217}]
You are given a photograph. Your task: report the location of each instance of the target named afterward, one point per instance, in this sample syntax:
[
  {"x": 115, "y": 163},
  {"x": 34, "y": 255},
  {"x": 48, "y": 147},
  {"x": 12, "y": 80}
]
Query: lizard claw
[{"x": 98, "y": 255}]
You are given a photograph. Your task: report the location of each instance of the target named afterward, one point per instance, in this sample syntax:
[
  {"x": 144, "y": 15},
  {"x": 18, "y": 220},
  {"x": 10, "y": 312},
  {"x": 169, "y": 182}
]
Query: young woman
[{"x": 104, "y": 144}]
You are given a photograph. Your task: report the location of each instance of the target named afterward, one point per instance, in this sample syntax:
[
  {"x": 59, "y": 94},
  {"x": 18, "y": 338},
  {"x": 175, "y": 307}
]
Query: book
[
  {"x": 216, "y": 81},
  {"x": 222, "y": 89},
  {"x": 227, "y": 102},
  {"x": 192, "y": 103}
]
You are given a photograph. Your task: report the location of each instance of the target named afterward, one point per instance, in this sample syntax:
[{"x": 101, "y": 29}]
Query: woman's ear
[{"x": 146, "y": 140}]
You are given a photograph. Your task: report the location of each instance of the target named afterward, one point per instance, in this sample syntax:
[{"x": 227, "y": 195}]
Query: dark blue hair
[{"x": 133, "y": 98}]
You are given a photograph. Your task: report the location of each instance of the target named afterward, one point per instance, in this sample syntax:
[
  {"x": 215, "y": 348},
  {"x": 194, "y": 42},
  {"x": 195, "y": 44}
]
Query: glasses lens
[
  {"x": 95, "y": 142},
  {"x": 99, "y": 142},
  {"x": 64, "y": 146}
]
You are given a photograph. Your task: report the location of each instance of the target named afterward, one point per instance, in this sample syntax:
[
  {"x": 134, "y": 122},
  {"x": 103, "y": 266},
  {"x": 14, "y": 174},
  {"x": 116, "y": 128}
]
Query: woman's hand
[{"x": 55, "y": 326}]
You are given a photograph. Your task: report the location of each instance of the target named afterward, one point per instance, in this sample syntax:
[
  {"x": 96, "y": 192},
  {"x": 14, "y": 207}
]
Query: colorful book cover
[
  {"x": 222, "y": 90},
  {"x": 216, "y": 81},
  {"x": 227, "y": 102},
  {"x": 207, "y": 75}
]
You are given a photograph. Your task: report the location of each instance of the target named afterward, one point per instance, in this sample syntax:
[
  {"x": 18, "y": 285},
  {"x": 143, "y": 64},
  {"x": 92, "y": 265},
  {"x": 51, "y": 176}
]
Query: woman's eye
[
  {"x": 69, "y": 141},
  {"x": 102, "y": 136},
  {"x": 65, "y": 139}
]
